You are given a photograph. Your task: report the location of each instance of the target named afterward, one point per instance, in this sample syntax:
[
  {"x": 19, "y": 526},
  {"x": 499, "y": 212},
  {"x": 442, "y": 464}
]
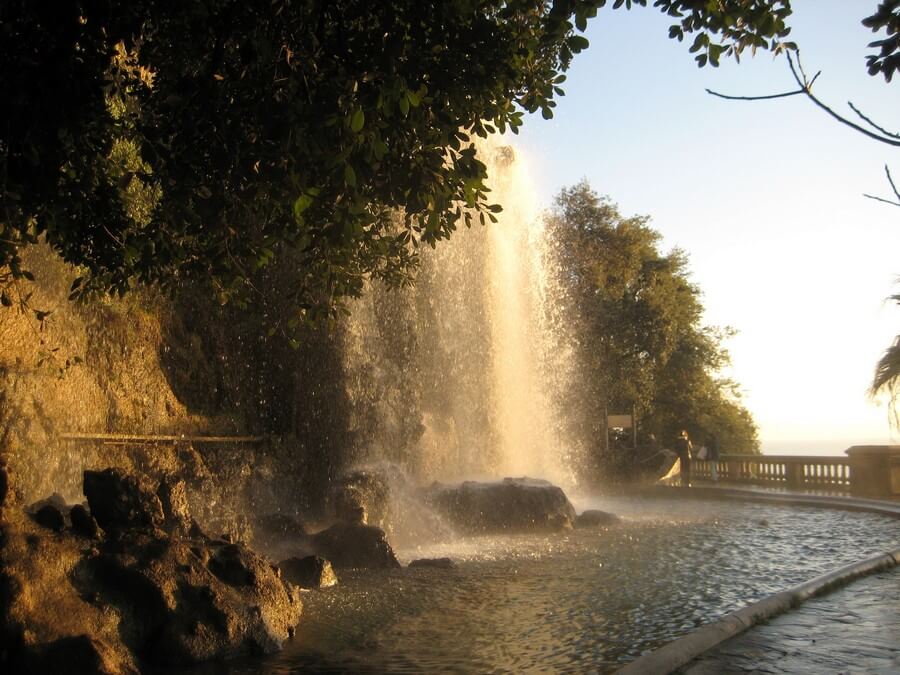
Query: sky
[{"x": 765, "y": 197}]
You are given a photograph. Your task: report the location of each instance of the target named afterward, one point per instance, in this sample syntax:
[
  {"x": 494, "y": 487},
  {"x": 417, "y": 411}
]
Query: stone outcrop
[
  {"x": 309, "y": 572},
  {"x": 363, "y": 496},
  {"x": 122, "y": 501},
  {"x": 349, "y": 545},
  {"x": 436, "y": 563},
  {"x": 51, "y": 517},
  {"x": 595, "y": 518},
  {"x": 83, "y": 522},
  {"x": 510, "y": 505},
  {"x": 141, "y": 591}
]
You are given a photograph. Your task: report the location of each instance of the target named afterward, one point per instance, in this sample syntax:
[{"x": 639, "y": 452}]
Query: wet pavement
[{"x": 855, "y": 629}]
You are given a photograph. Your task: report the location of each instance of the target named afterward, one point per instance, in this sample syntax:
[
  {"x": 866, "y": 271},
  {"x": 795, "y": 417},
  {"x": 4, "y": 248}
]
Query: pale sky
[{"x": 766, "y": 198}]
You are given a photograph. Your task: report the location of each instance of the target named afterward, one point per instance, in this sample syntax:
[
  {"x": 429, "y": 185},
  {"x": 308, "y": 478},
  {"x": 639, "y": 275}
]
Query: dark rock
[
  {"x": 349, "y": 506},
  {"x": 46, "y": 625},
  {"x": 438, "y": 563},
  {"x": 231, "y": 563},
  {"x": 50, "y": 517},
  {"x": 195, "y": 531},
  {"x": 309, "y": 572},
  {"x": 120, "y": 501},
  {"x": 172, "y": 495},
  {"x": 595, "y": 518},
  {"x": 56, "y": 501},
  {"x": 510, "y": 505},
  {"x": 354, "y": 545},
  {"x": 70, "y": 604},
  {"x": 276, "y": 533},
  {"x": 280, "y": 525},
  {"x": 363, "y": 496},
  {"x": 83, "y": 522}
]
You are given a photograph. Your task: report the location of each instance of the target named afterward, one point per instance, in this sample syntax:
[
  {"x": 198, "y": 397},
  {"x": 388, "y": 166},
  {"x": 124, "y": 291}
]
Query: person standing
[
  {"x": 712, "y": 456},
  {"x": 683, "y": 447}
]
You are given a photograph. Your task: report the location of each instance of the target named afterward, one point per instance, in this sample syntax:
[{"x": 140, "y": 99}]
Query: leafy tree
[
  {"x": 156, "y": 145},
  {"x": 635, "y": 319}
]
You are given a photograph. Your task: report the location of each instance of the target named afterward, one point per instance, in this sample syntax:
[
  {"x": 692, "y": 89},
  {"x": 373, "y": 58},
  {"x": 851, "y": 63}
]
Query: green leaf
[
  {"x": 578, "y": 43},
  {"x": 302, "y": 203},
  {"x": 357, "y": 121},
  {"x": 349, "y": 175},
  {"x": 404, "y": 104}
]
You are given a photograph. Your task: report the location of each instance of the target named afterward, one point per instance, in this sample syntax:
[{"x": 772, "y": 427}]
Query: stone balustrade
[{"x": 866, "y": 471}]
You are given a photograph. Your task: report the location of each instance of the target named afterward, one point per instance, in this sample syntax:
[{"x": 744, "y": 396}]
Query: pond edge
[{"x": 680, "y": 652}]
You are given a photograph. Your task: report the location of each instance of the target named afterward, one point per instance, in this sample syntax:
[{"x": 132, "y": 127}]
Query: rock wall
[
  {"x": 149, "y": 365},
  {"x": 133, "y": 581}
]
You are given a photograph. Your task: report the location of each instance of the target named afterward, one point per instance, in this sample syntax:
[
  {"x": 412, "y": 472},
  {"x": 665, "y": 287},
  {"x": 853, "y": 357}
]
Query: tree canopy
[
  {"x": 637, "y": 327},
  {"x": 154, "y": 144}
]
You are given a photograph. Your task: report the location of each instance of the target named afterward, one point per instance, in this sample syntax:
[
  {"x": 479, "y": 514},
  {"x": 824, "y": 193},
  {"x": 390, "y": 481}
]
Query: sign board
[{"x": 619, "y": 421}]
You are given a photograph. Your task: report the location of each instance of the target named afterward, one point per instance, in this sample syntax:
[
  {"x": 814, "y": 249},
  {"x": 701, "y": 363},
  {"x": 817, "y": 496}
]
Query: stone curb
[
  {"x": 678, "y": 653},
  {"x": 884, "y": 508}
]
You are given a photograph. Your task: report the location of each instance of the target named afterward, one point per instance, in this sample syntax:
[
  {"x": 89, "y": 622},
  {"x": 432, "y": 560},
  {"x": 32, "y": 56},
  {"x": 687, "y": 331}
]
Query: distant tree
[
  {"x": 635, "y": 320},
  {"x": 158, "y": 144}
]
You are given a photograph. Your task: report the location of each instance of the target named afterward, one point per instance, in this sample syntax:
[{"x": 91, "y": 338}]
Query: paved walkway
[{"x": 855, "y": 629}]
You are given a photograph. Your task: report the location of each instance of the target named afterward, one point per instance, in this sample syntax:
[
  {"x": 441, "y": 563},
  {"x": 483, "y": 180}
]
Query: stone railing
[
  {"x": 786, "y": 471},
  {"x": 867, "y": 471}
]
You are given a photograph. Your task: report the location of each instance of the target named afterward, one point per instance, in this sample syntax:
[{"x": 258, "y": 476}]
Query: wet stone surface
[{"x": 855, "y": 629}]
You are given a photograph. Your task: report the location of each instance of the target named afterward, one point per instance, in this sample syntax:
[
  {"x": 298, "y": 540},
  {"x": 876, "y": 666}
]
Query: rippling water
[{"x": 584, "y": 601}]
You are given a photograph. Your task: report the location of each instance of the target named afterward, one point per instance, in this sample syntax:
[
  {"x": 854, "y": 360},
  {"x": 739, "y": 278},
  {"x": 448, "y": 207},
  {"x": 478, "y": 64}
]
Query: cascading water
[{"x": 458, "y": 376}]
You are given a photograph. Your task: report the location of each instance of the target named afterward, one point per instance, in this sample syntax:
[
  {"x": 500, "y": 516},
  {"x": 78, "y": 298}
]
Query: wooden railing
[{"x": 786, "y": 471}]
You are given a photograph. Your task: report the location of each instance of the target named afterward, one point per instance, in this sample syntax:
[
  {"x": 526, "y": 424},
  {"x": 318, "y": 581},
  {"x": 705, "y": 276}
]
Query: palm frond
[{"x": 887, "y": 372}]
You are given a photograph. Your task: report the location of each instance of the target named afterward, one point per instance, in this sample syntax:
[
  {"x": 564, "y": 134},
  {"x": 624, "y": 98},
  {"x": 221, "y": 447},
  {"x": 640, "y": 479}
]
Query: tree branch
[
  {"x": 805, "y": 85},
  {"x": 870, "y": 122},
  {"x": 755, "y": 98},
  {"x": 893, "y": 187}
]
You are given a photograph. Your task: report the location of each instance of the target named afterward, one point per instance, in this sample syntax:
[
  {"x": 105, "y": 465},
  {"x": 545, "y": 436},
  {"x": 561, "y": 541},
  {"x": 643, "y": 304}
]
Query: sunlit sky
[{"x": 766, "y": 198}]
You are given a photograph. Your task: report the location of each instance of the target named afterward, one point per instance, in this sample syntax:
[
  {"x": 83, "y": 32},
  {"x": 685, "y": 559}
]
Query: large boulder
[
  {"x": 363, "y": 496},
  {"x": 308, "y": 572},
  {"x": 83, "y": 523},
  {"x": 349, "y": 545},
  {"x": 185, "y": 601},
  {"x": 151, "y": 594},
  {"x": 510, "y": 505},
  {"x": 434, "y": 563},
  {"x": 51, "y": 517},
  {"x": 121, "y": 501},
  {"x": 595, "y": 518}
]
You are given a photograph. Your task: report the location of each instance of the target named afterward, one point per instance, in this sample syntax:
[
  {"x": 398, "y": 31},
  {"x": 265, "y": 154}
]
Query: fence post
[
  {"x": 794, "y": 475},
  {"x": 871, "y": 469}
]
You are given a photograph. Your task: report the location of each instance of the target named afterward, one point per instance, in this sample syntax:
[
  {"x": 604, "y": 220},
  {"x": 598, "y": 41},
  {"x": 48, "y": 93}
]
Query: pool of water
[{"x": 588, "y": 600}]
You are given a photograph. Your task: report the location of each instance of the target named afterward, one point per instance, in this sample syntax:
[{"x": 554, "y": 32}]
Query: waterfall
[{"x": 460, "y": 375}]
